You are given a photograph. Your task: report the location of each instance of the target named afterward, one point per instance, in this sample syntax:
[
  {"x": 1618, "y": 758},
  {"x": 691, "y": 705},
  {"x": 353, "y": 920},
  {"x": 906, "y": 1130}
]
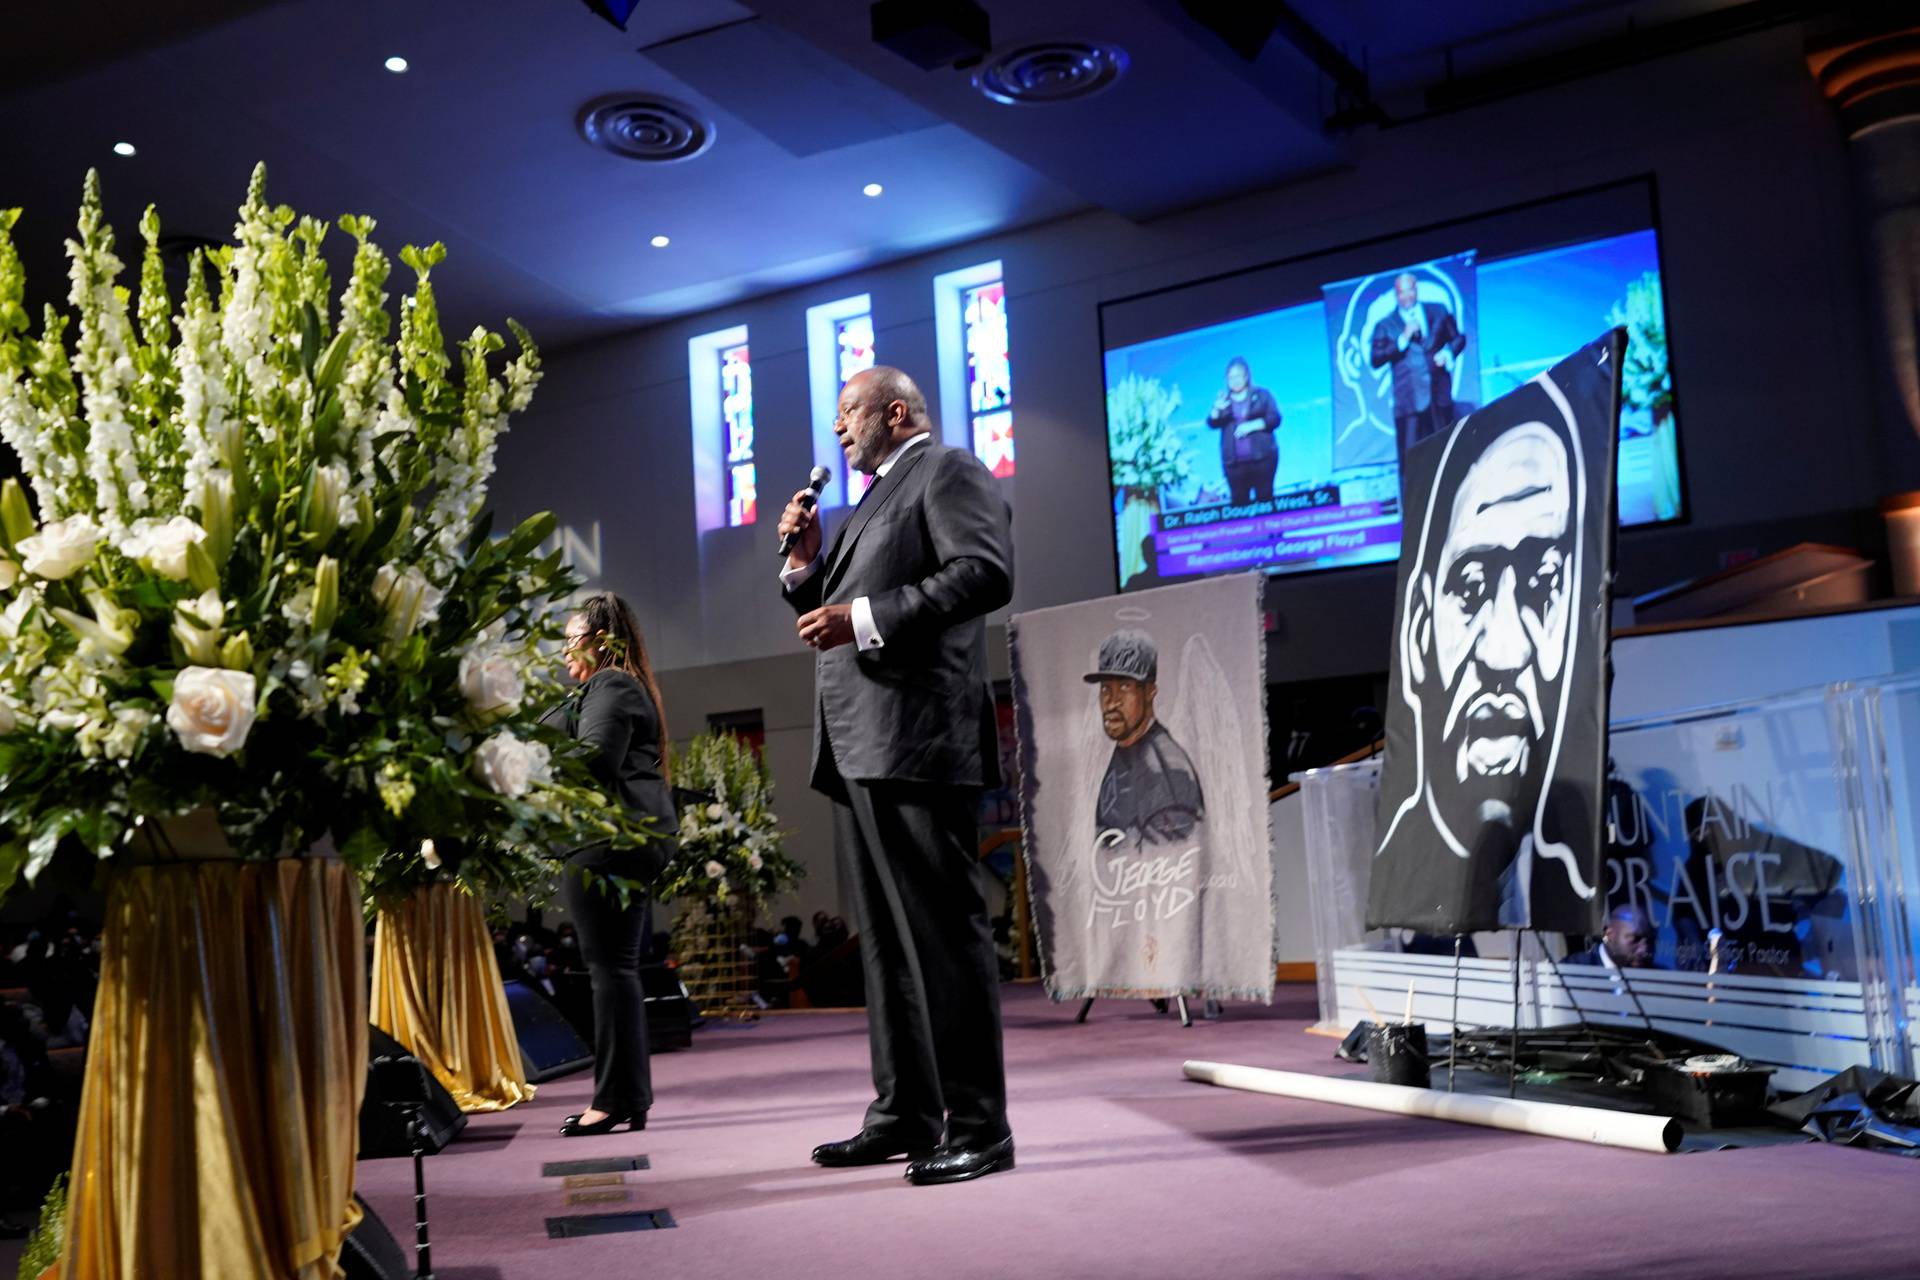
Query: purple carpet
[{"x": 1126, "y": 1170}]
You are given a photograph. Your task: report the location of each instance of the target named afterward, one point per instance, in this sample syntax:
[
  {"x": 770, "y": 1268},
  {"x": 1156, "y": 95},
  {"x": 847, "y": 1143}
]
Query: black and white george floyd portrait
[{"x": 1492, "y": 790}]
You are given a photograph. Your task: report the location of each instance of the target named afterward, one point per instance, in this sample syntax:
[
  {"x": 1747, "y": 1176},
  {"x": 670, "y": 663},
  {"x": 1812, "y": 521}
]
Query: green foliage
[
  {"x": 49, "y": 1237},
  {"x": 730, "y": 845},
  {"x": 1147, "y": 452},
  {"x": 1646, "y": 380}
]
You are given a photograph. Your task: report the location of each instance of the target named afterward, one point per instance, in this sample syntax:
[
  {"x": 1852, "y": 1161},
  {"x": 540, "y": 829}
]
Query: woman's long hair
[{"x": 621, "y": 645}]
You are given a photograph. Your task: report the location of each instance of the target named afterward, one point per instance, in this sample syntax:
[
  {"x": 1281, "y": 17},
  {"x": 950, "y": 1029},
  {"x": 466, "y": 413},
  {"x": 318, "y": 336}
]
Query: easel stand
[{"x": 1211, "y": 1010}]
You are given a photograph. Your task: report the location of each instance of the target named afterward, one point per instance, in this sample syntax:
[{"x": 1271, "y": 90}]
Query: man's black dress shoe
[
  {"x": 867, "y": 1148},
  {"x": 957, "y": 1164},
  {"x": 575, "y": 1127}
]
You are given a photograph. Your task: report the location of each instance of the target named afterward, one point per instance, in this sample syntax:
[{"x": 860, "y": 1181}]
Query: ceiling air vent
[
  {"x": 1059, "y": 71},
  {"x": 658, "y": 130}
]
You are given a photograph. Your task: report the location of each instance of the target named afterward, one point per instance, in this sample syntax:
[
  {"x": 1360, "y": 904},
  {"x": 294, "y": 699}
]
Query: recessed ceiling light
[
  {"x": 123, "y": 148},
  {"x": 872, "y": 189},
  {"x": 659, "y": 242},
  {"x": 396, "y": 64}
]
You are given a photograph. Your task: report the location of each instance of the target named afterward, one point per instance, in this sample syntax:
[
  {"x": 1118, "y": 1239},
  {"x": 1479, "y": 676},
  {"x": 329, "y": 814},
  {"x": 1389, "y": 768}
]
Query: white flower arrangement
[
  {"x": 730, "y": 845},
  {"x": 254, "y": 574}
]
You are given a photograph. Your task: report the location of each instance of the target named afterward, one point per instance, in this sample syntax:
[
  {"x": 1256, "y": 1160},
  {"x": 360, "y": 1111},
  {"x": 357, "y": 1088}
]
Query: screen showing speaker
[{"x": 1254, "y": 420}]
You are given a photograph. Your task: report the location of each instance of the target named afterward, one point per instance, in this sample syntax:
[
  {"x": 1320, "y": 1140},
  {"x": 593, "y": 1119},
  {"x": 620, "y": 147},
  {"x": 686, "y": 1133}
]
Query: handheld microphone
[{"x": 816, "y": 481}]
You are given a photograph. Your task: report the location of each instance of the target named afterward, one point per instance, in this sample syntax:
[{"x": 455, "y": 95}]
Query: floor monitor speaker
[
  {"x": 371, "y": 1252},
  {"x": 396, "y": 1083},
  {"x": 549, "y": 1047}
]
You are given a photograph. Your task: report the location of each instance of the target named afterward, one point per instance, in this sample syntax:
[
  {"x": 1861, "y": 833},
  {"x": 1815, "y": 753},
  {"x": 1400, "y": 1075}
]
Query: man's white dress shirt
[{"x": 865, "y": 634}]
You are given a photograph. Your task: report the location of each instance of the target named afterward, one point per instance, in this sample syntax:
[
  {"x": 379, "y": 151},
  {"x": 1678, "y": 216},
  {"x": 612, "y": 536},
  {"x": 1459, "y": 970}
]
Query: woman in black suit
[
  {"x": 616, "y": 713},
  {"x": 1246, "y": 417}
]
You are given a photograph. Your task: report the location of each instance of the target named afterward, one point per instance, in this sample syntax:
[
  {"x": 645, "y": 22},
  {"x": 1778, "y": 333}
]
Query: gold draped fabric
[
  {"x": 437, "y": 990},
  {"x": 219, "y": 1118}
]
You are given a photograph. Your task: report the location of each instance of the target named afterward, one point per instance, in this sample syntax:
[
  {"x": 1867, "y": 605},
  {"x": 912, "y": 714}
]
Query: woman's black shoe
[{"x": 577, "y": 1128}]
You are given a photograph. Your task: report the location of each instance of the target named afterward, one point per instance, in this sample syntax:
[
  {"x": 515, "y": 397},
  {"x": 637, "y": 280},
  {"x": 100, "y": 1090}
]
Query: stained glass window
[
  {"x": 853, "y": 348},
  {"x": 989, "y": 375},
  {"x": 736, "y": 411}
]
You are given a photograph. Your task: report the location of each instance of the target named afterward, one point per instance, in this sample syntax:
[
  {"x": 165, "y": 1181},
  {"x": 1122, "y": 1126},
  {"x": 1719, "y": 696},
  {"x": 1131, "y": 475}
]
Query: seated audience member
[
  {"x": 36, "y": 1133},
  {"x": 788, "y": 941},
  {"x": 566, "y": 950},
  {"x": 1627, "y": 943},
  {"x": 833, "y": 977}
]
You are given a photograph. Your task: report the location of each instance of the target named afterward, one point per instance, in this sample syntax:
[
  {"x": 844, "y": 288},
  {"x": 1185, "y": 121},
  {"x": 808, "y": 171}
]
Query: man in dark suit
[
  {"x": 904, "y": 738},
  {"x": 1423, "y": 342}
]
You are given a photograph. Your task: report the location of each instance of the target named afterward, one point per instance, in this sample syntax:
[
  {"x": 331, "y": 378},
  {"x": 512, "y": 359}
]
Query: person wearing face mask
[
  {"x": 1246, "y": 417},
  {"x": 617, "y": 713},
  {"x": 904, "y": 739}
]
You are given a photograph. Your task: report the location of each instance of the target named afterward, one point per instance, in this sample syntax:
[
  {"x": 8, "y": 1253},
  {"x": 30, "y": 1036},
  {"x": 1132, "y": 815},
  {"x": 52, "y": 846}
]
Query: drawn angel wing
[{"x": 1208, "y": 718}]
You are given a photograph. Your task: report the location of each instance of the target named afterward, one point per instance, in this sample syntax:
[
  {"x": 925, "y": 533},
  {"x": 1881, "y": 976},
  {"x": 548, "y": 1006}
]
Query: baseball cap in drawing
[{"x": 1126, "y": 654}]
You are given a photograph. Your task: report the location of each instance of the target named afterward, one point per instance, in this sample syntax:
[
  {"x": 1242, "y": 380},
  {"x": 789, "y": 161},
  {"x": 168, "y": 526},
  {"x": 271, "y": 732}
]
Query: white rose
[
  {"x": 212, "y": 709},
  {"x": 715, "y": 812},
  {"x": 508, "y": 765},
  {"x": 715, "y": 871},
  {"x": 490, "y": 682},
  {"x": 61, "y": 548},
  {"x": 429, "y": 854},
  {"x": 755, "y": 861},
  {"x": 162, "y": 545}
]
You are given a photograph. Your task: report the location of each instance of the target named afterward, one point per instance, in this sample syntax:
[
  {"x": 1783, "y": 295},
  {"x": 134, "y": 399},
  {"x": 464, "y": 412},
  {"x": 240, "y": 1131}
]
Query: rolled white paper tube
[{"x": 1659, "y": 1134}]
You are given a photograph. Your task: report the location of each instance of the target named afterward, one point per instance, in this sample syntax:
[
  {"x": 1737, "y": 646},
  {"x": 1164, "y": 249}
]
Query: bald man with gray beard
[{"x": 904, "y": 740}]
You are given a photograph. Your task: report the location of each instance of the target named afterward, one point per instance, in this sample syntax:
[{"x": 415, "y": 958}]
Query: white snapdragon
[
  {"x": 9, "y": 574},
  {"x": 245, "y": 328},
  {"x": 9, "y": 715},
  {"x": 103, "y": 363},
  {"x": 162, "y": 545},
  {"x": 212, "y": 710},
  {"x": 510, "y": 766},
  {"x": 204, "y": 398},
  {"x": 61, "y": 549},
  {"x": 24, "y": 429}
]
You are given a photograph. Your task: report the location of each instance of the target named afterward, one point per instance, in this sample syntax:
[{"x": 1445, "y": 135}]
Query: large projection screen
[{"x": 1254, "y": 420}]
